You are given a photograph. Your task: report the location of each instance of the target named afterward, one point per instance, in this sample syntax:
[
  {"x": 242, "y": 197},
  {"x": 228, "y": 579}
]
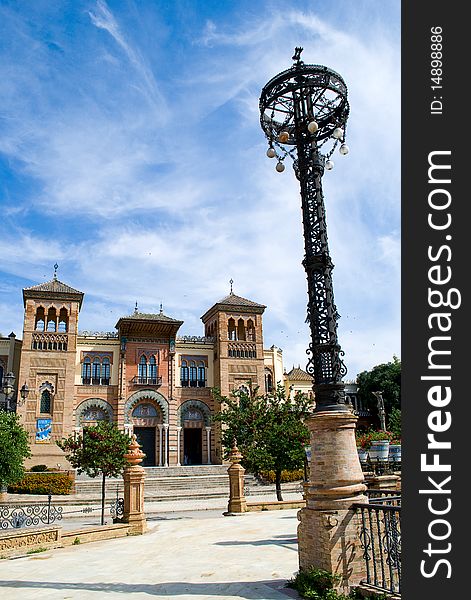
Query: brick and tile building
[{"x": 143, "y": 376}]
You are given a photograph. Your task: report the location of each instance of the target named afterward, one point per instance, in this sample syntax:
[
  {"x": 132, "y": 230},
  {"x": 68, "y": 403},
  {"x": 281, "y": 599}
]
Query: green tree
[
  {"x": 99, "y": 450},
  {"x": 268, "y": 429},
  {"x": 384, "y": 378},
  {"x": 394, "y": 423},
  {"x": 14, "y": 448}
]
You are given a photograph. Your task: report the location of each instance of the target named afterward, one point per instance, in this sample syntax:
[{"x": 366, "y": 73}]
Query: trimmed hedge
[
  {"x": 42, "y": 483},
  {"x": 39, "y": 468},
  {"x": 296, "y": 475}
]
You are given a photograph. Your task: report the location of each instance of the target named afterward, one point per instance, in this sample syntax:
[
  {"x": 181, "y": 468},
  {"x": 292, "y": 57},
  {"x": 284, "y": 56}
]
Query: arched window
[
  {"x": 231, "y": 329},
  {"x": 63, "y": 320},
  {"x": 184, "y": 374},
  {"x": 40, "y": 319},
  {"x": 152, "y": 373},
  {"x": 86, "y": 371},
  {"x": 241, "y": 330},
  {"x": 45, "y": 405},
  {"x": 51, "y": 320},
  {"x": 201, "y": 374},
  {"x": 250, "y": 331},
  {"x": 268, "y": 381},
  {"x": 193, "y": 374},
  {"x": 105, "y": 372},
  {"x": 142, "y": 370},
  {"x": 96, "y": 371}
]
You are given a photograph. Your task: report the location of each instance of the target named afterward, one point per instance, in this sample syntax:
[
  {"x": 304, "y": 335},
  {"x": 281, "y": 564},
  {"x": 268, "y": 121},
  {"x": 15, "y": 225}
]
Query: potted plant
[
  {"x": 379, "y": 450},
  {"x": 395, "y": 450},
  {"x": 363, "y": 441}
]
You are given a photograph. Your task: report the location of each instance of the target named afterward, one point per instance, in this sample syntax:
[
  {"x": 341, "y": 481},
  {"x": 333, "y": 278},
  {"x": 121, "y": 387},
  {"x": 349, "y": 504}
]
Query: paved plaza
[{"x": 184, "y": 555}]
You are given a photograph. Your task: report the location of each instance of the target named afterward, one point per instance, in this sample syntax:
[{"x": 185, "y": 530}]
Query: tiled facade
[{"x": 144, "y": 376}]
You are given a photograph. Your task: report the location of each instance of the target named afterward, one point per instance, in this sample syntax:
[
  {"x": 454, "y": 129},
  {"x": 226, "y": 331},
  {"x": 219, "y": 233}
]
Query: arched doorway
[
  {"x": 193, "y": 422},
  {"x": 194, "y": 419},
  {"x": 145, "y": 419},
  {"x": 146, "y": 414}
]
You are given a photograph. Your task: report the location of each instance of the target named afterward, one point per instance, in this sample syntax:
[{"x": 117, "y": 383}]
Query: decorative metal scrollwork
[
  {"x": 117, "y": 508},
  {"x": 32, "y": 515}
]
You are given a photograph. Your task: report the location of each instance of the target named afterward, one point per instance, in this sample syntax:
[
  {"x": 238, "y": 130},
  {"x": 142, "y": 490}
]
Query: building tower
[
  {"x": 48, "y": 366},
  {"x": 146, "y": 383},
  {"x": 235, "y": 323}
]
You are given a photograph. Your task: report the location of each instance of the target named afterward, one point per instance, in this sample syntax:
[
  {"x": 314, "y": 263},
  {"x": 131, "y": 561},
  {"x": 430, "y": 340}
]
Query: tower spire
[
  {"x": 231, "y": 281},
  {"x": 56, "y": 266}
]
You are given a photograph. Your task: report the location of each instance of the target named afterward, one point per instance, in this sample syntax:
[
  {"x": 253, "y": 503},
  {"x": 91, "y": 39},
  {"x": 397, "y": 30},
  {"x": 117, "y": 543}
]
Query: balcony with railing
[
  {"x": 200, "y": 383},
  {"x": 49, "y": 341},
  {"x": 95, "y": 381},
  {"x": 241, "y": 349},
  {"x": 150, "y": 381}
]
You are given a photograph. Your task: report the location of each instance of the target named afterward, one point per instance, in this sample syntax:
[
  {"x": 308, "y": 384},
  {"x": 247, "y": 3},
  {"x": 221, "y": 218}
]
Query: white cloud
[{"x": 173, "y": 195}]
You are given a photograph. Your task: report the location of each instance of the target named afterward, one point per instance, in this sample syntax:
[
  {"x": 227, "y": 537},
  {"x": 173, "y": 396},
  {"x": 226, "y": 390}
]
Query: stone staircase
[{"x": 176, "y": 483}]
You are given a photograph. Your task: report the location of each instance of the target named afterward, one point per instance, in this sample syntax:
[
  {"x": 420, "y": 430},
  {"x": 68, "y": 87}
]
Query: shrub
[
  {"x": 38, "y": 468},
  {"x": 317, "y": 584},
  {"x": 286, "y": 476},
  {"x": 42, "y": 483}
]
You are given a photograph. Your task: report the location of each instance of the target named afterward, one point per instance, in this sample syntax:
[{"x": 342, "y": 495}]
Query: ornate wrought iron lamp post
[{"x": 303, "y": 112}]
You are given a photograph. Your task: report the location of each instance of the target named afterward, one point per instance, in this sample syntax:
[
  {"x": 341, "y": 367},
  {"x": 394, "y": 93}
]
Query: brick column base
[
  {"x": 329, "y": 529},
  {"x": 330, "y": 540}
]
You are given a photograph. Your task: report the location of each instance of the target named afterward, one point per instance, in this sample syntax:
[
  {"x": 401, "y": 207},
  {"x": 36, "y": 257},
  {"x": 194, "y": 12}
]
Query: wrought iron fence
[
  {"x": 379, "y": 496},
  {"x": 381, "y": 467},
  {"x": 381, "y": 541},
  {"x": 34, "y": 515},
  {"x": 29, "y": 515}
]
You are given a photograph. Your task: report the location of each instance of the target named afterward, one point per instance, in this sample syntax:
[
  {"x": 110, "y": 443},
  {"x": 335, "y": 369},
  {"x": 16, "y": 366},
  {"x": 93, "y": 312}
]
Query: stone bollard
[
  {"x": 133, "y": 477},
  {"x": 329, "y": 528},
  {"x": 237, "y": 503}
]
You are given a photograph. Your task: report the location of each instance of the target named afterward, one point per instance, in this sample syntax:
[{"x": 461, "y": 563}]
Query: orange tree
[
  {"x": 99, "y": 450},
  {"x": 14, "y": 448},
  {"x": 269, "y": 429}
]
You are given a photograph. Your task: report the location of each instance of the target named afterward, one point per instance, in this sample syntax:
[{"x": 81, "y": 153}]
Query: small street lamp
[{"x": 10, "y": 402}]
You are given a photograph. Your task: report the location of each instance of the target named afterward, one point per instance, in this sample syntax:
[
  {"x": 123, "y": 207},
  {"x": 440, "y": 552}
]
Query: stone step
[
  {"x": 163, "y": 486},
  {"x": 152, "y": 495},
  {"x": 174, "y": 471}
]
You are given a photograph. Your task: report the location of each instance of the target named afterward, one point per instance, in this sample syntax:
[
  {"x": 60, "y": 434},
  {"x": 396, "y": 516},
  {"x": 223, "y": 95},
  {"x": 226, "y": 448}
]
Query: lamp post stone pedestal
[
  {"x": 133, "y": 478},
  {"x": 329, "y": 528}
]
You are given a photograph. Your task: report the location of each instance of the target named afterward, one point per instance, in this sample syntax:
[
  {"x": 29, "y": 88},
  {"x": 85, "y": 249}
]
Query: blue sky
[{"x": 131, "y": 153}]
